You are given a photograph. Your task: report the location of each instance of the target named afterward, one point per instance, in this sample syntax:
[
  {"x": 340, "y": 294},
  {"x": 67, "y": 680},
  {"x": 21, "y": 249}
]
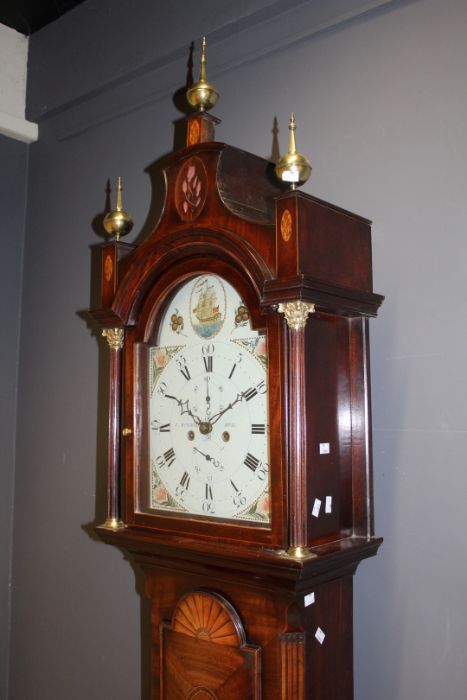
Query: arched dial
[{"x": 209, "y": 413}]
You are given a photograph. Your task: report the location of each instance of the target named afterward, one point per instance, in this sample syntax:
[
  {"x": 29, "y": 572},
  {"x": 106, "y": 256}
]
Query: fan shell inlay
[{"x": 207, "y": 616}]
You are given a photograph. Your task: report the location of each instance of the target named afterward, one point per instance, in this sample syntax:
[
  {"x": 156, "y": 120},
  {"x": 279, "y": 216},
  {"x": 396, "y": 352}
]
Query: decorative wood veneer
[{"x": 204, "y": 653}]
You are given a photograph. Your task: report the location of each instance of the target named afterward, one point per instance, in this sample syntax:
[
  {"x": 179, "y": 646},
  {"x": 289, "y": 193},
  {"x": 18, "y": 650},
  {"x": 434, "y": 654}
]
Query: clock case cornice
[
  {"x": 324, "y": 259},
  {"x": 238, "y": 223}
]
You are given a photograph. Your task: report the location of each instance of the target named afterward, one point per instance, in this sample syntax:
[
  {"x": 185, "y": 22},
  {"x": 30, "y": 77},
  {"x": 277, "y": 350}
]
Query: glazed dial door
[{"x": 208, "y": 407}]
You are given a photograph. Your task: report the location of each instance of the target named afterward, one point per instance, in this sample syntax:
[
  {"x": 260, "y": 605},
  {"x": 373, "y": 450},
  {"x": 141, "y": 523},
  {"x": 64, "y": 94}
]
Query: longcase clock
[{"x": 239, "y": 427}]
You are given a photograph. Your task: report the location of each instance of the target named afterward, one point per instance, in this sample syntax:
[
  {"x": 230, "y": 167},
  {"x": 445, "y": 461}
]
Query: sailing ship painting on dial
[{"x": 208, "y": 407}]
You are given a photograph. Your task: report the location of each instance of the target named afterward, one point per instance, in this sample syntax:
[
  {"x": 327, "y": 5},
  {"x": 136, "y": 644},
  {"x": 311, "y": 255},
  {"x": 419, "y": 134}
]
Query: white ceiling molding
[
  {"x": 13, "y": 74},
  {"x": 17, "y": 128}
]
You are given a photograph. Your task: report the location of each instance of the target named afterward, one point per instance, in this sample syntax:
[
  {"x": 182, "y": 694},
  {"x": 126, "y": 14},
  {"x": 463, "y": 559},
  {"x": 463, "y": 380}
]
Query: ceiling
[{"x": 27, "y": 16}]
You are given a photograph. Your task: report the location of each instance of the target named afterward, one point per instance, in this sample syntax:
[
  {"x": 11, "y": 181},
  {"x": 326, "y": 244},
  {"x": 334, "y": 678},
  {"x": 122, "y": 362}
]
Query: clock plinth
[
  {"x": 201, "y": 128},
  {"x": 238, "y": 334},
  {"x": 113, "y": 253}
]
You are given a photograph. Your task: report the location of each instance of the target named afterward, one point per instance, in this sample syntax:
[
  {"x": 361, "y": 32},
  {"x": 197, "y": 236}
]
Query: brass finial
[
  {"x": 202, "y": 95},
  {"x": 118, "y": 222},
  {"x": 293, "y": 168}
]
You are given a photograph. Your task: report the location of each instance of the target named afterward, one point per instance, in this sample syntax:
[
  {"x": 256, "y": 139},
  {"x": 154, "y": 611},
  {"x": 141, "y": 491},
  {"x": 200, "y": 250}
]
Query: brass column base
[
  {"x": 300, "y": 553},
  {"x": 113, "y": 524}
]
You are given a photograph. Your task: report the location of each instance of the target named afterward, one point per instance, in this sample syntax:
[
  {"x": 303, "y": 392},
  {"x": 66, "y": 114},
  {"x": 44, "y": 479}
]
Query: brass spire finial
[
  {"x": 202, "y": 95},
  {"x": 293, "y": 168},
  {"x": 118, "y": 222},
  {"x": 202, "y": 62},
  {"x": 292, "y": 127}
]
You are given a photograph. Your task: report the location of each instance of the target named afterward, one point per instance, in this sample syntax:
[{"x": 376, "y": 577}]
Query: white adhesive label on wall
[
  {"x": 316, "y": 508},
  {"x": 328, "y": 505},
  {"x": 324, "y": 448},
  {"x": 319, "y": 634},
  {"x": 309, "y": 599}
]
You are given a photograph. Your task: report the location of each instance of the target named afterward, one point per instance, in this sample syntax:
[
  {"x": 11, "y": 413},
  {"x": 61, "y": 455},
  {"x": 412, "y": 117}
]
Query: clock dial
[{"x": 208, "y": 407}]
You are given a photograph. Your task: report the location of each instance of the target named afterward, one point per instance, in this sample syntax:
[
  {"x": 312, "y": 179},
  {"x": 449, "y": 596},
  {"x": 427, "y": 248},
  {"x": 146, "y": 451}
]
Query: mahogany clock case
[{"x": 285, "y": 611}]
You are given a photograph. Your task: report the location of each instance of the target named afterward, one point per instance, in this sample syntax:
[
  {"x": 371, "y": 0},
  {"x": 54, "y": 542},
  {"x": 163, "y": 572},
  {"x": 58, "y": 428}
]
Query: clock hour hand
[{"x": 183, "y": 405}]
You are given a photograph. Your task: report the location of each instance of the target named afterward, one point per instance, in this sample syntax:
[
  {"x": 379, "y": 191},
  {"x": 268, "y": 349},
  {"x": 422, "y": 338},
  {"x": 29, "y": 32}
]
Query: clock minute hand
[
  {"x": 216, "y": 416},
  {"x": 183, "y": 405}
]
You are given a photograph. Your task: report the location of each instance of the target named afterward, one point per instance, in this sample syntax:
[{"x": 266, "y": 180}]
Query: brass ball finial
[
  {"x": 202, "y": 95},
  {"x": 118, "y": 222},
  {"x": 293, "y": 168}
]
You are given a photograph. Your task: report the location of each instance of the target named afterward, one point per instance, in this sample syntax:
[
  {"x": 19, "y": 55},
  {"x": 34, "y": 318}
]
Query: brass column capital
[
  {"x": 115, "y": 337},
  {"x": 296, "y": 313}
]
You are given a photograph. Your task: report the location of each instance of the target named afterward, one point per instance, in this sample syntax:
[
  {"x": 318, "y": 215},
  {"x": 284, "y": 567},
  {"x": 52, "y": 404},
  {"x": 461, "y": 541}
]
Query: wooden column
[
  {"x": 296, "y": 314},
  {"x": 361, "y": 428},
  {"x": 115, "y": 338}
]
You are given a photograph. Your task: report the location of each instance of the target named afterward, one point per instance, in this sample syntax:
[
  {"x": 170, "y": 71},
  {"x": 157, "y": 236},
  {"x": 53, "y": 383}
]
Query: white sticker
[
  {"x": 316, "y": 508},
  {"x": 328, "y": 506},
  {"x": 309, "y": 599},
  {"x": 324, "y": 448},
  {"x": 319, "y": 634}
]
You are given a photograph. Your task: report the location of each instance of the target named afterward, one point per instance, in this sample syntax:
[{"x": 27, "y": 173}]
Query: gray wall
[
  {"x": 13, "y": 160},
  {"x": 381, "y": 107}
]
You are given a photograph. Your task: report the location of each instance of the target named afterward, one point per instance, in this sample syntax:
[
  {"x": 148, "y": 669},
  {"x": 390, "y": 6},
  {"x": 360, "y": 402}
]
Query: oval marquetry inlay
[
  {"x": 191, "y": 189},
  {"x": 207, "y": 616},
  {"x": 108, "y": 268},
  {"x": 193, "y": 134},
  {"x": 286, "y": 225}
]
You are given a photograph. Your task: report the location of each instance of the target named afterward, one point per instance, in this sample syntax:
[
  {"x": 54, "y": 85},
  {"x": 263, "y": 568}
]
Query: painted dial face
[{"x": 208, "y": 407}]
